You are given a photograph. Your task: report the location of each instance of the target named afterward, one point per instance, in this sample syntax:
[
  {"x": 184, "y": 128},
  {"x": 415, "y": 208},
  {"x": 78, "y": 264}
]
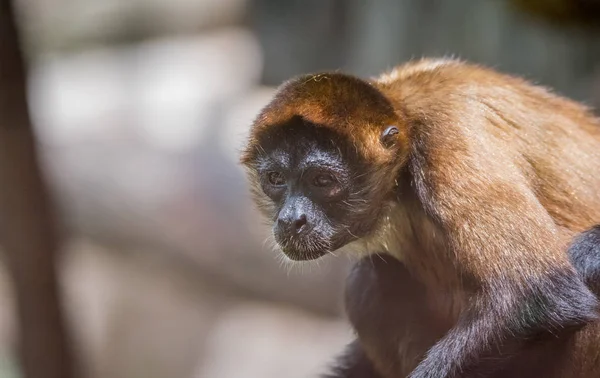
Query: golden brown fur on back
[
  {"x": 551, "y": 144},
  {"x": 530, "y": 135},
  {"x": 554, "y": 141}
]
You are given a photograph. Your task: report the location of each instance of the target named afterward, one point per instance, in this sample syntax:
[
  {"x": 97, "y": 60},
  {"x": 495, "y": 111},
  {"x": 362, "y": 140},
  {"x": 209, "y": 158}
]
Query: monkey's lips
[
  {"x": 303, "y": 255},
  {"x": 304, "y": 247}
]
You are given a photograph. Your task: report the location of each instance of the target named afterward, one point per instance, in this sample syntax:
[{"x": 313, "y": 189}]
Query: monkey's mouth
[
  {"x": 303, "y": 255},
  {"x": 309, "y": 245},
  {"x": 302, "y": 248}
]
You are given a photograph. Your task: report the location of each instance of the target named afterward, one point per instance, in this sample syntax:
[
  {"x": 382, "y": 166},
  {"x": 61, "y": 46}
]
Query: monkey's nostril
[{"x": 300, "y": 223}]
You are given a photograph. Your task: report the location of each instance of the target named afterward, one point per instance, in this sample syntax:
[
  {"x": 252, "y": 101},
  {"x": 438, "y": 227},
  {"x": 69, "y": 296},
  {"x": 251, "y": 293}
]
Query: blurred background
[{"x": 141, "y": 106}]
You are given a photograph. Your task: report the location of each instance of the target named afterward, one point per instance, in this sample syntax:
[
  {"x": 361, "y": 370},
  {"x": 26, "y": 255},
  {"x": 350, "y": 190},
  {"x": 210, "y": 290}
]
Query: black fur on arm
[
  {"x": 353, "y": 363},
  {"x": 540, "y": 346},
  {"x": 584, "y": 254},
  {"x": 553, "y": 311}
]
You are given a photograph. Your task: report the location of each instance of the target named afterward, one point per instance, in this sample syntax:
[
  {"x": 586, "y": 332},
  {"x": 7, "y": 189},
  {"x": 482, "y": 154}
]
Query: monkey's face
[{"x": 315, "y": 188}]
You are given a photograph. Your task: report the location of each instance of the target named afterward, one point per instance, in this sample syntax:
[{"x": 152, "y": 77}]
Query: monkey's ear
[{"x": 388, "y": 136}]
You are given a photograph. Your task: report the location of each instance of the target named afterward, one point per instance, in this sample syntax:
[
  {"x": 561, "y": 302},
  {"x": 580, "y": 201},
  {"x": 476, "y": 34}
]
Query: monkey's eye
[
  {"x": 275, "y": 178},
  {"x": 323, "y": 180}
]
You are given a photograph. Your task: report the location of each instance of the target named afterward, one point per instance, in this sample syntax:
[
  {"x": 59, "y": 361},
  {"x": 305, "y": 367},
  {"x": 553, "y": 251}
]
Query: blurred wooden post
[{"x": 27, "y": 231}]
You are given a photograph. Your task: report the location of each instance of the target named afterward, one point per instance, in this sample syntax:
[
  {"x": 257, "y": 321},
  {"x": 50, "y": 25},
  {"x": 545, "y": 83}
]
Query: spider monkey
[{"x": 472, "y": 183}]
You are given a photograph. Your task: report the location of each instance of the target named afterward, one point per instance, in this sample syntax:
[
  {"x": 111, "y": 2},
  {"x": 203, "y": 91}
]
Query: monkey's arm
[
  {"x": 504, "y": 247},
  {"x": 353, "y": 363},
  {"x": 386, "y": 304}
]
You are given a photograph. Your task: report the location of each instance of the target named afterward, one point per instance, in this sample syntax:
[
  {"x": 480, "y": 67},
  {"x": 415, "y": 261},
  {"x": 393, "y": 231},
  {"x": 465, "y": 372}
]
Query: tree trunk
[{"x": 27, "y": 231}]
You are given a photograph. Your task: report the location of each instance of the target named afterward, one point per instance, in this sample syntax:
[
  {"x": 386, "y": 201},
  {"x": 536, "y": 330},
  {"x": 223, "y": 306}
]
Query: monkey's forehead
[{"x": 305, "y": 139}]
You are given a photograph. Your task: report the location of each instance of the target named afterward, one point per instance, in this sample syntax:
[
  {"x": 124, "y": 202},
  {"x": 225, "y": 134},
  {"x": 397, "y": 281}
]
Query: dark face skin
[{"x": 308, "y": 176}]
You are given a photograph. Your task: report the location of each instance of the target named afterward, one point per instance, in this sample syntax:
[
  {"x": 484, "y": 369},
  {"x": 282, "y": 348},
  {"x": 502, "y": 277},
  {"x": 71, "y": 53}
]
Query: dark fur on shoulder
[{"x": 585, "y": 257}]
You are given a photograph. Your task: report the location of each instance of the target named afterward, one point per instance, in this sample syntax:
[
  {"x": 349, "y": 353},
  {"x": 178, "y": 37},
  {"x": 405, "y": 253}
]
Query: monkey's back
[{"x": 555, "y": 142}]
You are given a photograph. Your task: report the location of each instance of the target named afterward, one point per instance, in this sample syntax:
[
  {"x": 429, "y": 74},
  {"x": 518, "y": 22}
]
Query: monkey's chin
[{"x": 297, "y": 255}]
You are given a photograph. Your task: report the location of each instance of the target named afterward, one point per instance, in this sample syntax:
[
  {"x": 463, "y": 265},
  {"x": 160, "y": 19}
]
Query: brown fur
[{"x": 488, "y": 180}]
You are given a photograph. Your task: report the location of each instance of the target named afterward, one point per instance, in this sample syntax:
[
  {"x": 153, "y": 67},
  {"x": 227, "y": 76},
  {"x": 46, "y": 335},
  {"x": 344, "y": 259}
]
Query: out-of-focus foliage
[
  {"x": 65, "y": 25},
  {"x": 371, "y": 37},
  {"x": 564, "y": 12}
]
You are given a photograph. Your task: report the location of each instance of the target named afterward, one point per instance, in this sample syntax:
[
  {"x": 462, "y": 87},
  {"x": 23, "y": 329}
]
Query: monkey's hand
[{"x": 503, "y": 246}]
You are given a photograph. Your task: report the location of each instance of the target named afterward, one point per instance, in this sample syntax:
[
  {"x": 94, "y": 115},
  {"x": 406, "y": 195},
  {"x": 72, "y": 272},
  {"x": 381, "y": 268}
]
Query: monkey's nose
[
  {"x": 299, "y": 223},
  {"x": 293, "y": 225}
]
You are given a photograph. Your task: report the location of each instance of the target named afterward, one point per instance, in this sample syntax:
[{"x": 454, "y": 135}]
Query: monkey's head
[{"x": 322, "y": 159}]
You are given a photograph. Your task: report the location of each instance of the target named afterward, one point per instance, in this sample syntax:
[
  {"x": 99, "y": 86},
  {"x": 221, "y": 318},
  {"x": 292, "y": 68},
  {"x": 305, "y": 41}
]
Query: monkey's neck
[{"x": 406, "y": 232}]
